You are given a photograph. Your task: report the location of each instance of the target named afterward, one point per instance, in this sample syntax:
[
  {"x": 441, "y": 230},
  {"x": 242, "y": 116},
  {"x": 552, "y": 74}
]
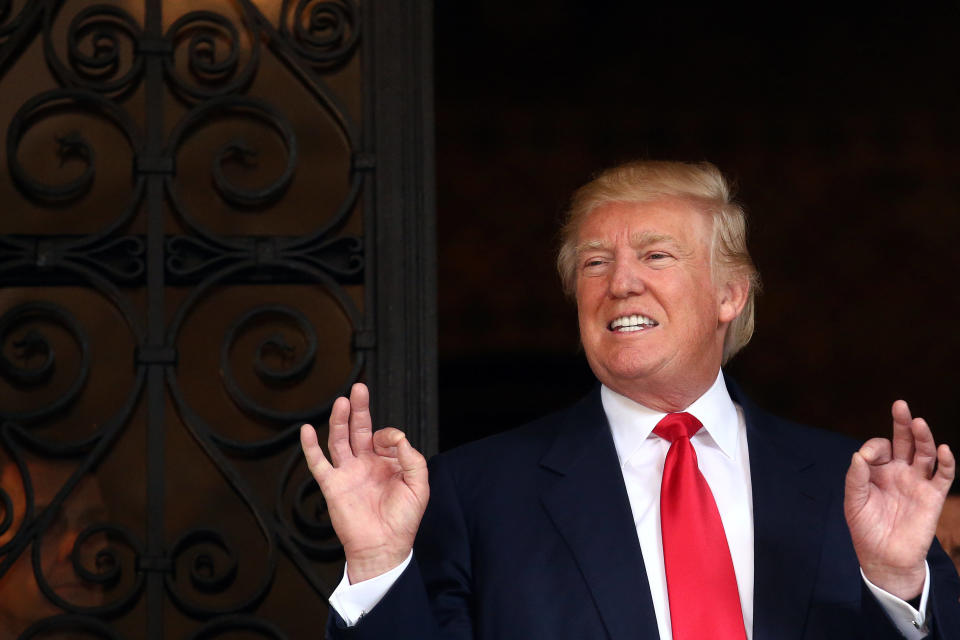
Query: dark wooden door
[{"x": 215, "y": 216}]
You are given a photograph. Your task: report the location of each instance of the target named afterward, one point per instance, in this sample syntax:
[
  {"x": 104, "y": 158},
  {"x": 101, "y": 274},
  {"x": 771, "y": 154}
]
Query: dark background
[{"x": 838, "y": 126}]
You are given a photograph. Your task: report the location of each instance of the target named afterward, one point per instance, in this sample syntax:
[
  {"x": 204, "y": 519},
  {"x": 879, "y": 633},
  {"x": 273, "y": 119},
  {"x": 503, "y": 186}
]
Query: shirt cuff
[
  {"x": 911, "y": 623},
  {"x": 353, "y": 601}
]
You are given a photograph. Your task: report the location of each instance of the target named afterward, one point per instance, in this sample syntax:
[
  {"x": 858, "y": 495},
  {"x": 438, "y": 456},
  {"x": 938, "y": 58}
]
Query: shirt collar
[{"x": 631, "y": 423}]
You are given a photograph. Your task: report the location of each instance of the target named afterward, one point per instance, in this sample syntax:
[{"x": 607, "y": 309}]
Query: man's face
[{"x": 651, "y": 315}]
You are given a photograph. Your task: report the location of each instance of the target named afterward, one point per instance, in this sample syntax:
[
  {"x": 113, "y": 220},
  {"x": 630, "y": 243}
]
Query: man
[{"x": 622, "y": 518}]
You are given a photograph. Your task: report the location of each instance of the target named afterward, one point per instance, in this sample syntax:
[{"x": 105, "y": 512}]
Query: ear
[{"x": 733, "y": 297}]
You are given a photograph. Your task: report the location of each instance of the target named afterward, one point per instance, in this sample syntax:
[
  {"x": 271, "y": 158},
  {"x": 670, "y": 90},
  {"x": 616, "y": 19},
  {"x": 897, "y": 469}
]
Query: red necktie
[{"x": 701, "y": 584}]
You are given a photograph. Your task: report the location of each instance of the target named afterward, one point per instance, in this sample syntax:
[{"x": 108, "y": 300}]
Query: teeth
[{"x": 632, "y": 323}]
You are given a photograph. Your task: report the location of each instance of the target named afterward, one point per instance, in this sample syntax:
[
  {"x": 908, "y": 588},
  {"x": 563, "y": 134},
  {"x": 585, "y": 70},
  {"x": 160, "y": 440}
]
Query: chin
[{"x": 624, "y": 378}]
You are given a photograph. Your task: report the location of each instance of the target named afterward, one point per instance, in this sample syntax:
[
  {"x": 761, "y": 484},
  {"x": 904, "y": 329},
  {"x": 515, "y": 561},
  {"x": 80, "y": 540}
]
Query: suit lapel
[
  {"x": 589, "y": 506},
  {"x": 788, "y": 521}
]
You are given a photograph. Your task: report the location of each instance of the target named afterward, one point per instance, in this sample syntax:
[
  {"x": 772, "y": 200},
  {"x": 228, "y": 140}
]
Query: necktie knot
[{"x": 677, "y": 425}]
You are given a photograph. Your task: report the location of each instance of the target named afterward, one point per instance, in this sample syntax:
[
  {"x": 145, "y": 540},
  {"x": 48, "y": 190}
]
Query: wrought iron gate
[{"x": 216, "y": 216}]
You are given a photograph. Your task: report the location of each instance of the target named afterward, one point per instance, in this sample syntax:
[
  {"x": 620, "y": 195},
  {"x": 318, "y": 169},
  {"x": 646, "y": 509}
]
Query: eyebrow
[{"x": 638, "y": 240}]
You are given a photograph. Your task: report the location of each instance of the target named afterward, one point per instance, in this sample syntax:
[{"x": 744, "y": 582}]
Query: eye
[
  {"x": 594, "y": 264},
  {"x": 658, "y": 258}
]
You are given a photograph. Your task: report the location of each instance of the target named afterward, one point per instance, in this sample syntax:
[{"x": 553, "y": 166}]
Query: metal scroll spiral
[
  {"x": 70, "y": 145},
  {"x": 109, "y": 566},
  {"x": 307, "y": 521},
  {"x": 296, "y": 369},
  {"x": 95, "y": 50},
  {"x": 235, "y": 150},
  {"x": 211, "y": 565},
  {"x": 21, "y": 334},
  {"x": 324, "y": 32},
  {"x": 33, "y": 345},
  {"x": 213, "y": 72}
]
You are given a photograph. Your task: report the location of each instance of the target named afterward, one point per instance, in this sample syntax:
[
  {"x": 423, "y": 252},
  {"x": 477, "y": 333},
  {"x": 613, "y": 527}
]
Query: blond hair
[{"x": 700, "y": 183}]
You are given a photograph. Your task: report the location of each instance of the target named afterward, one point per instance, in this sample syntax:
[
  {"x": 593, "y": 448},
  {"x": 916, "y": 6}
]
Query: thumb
[
  {"x": 413, "y": 463},
  {"x": 946, "y": 468},
  {"x": 857, "y": 485}
]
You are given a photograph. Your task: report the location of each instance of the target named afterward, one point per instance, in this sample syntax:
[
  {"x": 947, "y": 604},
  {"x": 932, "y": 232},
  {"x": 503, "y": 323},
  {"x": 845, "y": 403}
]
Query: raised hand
[
  {"x": 376, "y": 487},
  {"x": 893, "y": 500}
]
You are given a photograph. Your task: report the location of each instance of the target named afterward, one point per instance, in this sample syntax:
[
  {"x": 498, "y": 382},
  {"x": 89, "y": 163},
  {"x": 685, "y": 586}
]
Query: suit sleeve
[
  {"x": 943, "y": 609},
  {"x": 432, "y": 599}
]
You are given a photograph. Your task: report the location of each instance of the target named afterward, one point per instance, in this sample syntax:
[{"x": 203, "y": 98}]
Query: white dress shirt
[
  {"x": 721, "y": 448},
  {"x": 723, "y": 458}
]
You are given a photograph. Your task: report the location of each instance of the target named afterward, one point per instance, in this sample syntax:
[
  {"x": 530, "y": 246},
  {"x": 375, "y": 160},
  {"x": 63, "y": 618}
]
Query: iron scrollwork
[
  {"x": 92, "y": 567},
  {"x": 212, "y": 565},
  {"x": 306, "y": 522},
  {"x": 238, "y": 148},
  {"x": 74, "y": 145},
  {"x": 208, "y": 61},
  {"x": 213, "y": 73},
  {"x": 95, "y": 38},
  {"x": 32, "y": 344},
  {"x": 322, "y": 31},
  {"x": 107, "y": 571}
]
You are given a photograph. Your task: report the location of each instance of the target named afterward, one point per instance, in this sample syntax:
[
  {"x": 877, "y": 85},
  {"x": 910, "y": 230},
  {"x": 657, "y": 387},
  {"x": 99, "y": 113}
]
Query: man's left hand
[{"x": 894, "y": 494}]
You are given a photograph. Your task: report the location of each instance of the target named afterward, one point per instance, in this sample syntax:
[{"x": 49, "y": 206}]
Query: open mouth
[{"x": 627, "y": 324}]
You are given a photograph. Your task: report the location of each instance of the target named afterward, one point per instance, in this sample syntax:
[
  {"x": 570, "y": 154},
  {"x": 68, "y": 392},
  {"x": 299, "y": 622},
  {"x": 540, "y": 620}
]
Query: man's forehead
[{"x": 669, "y": 219}]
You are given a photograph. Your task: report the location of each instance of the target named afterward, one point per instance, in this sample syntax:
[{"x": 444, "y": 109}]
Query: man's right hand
[{"x": 376, "y": 487}]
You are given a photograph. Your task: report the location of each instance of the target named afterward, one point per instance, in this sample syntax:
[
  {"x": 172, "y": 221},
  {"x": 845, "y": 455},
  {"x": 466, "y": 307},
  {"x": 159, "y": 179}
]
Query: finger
[
  {"x": 412, "y": 462},
  {"x": 386, "y": 452},
  {"x": 388, "y": 438},
  {"x": 925, "y": 454},
  {"x": 338, "y": 441},
  {"x": 903, "y": 443},
  {"x": 361, "y": 426},
  {"x": 946, "y": 469},
  {"x": 876, "y": 451},
  {"x": 316, "y": 461},
  {"x": 857, "y": 484}
]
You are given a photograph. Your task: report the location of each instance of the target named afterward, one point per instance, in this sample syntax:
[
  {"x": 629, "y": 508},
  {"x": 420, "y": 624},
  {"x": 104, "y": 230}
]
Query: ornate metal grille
[{"x": 217, "y": 216}]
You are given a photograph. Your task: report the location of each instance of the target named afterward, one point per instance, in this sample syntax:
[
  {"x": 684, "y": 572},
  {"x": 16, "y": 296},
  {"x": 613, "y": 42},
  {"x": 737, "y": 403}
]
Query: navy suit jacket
[{"x": 529, "y": 535}]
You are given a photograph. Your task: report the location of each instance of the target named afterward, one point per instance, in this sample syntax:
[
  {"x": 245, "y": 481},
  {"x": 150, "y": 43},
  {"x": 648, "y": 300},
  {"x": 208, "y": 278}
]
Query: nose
[{"x": 626, "y": 278}]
